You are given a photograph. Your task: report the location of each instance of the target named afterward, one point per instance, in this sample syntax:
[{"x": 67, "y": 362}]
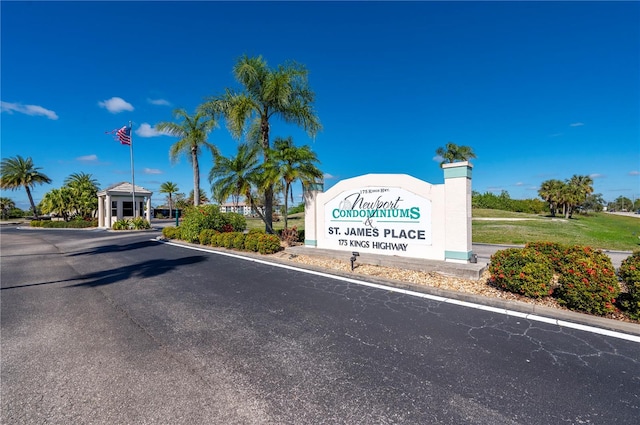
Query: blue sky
[{"x": 539, "y": 90}]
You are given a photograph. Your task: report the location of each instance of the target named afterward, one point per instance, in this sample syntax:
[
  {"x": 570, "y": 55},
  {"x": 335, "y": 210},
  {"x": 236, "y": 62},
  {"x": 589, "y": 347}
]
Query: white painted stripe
[{"x": 534, "y": 317}]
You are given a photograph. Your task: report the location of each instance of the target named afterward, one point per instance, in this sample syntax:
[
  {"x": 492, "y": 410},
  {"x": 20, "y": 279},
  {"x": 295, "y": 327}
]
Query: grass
[{"x": 601, "y": 230}]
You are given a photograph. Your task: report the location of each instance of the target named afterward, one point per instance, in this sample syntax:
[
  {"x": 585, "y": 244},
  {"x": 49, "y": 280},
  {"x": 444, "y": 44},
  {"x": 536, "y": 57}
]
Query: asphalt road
[{"x": 108, "y": 328}]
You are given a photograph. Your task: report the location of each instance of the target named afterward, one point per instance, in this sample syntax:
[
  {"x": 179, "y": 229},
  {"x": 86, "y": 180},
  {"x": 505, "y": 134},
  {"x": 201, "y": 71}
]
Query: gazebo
[{"x": 116, "y": 203}]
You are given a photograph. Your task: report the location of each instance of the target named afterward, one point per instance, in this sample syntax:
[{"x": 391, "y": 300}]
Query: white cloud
[
  {"x": 27, "y": 109},
  {"x": 576, "y": 124},
  {"x": 115, "y": 105},
  {"x": 520, "y": 184},
  {"x": 152, "y": 171},
  {"x": 556, "y": 134},
  {"x": 159, "y": 102},
  {"x": 634, "y": 173},
  {"x": 87, "y": 158},
  {"x": 438, "y": 159},
  {"x": 596, "y": 176},
  {"x": 145, "y": 130},
  {"x": 328, "y": 176}
]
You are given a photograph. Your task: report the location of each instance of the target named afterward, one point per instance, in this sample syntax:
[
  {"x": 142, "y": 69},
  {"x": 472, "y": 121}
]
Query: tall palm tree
[
  {"x": 193, "y": 132},
  {"x": 6, "y": 205},
  {"x": 294, "y": 163},
  {"x": 18, "y": 172},
  {"x": 267, "y": 93},
  {"x": 169, "y": 188},
  {"x": 452, "y": 153}
]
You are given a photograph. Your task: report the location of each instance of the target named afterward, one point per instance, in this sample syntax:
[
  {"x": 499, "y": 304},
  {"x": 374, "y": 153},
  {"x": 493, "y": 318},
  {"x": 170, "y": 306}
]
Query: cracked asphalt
[{"x": 105, "y": 328}]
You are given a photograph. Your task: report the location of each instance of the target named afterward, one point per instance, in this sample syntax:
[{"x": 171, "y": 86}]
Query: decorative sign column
[{"x": 457, "y": 182}]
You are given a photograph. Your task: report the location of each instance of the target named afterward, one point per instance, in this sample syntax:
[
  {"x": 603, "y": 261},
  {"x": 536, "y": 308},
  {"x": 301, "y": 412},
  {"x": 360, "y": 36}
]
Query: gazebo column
[
  {"x": 149, "y": 209},
  {"x": 101, "y": 211},
  {"x": 108, "y": 207}
]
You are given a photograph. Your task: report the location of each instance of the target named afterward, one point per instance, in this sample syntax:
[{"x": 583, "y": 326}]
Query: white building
[{"x": 116, "y": 203}]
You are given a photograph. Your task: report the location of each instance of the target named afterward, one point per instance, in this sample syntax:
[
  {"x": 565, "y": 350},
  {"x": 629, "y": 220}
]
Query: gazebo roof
[{"x": 124, "y": 188}]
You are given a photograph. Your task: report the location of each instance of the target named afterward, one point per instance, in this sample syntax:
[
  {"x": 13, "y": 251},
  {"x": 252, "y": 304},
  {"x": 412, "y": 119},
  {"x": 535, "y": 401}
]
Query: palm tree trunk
[
  {"x": 268, "y": 193},
  {"x": 196, "y": 177},
  {"x": 170, "y": 204},
  {"x": 33, "y": 205}
]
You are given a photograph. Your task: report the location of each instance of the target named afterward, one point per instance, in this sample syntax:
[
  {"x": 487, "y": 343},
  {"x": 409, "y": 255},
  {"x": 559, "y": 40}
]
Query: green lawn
[{"x": 602, "y": 230}]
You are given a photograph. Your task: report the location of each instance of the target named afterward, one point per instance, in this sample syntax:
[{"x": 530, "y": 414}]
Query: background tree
[
  {"x": 294, "y": 163},
  {"x": 267, "y": 93},
  {"x": 193, "y": 132},
  {"x": 203, "y": 199},
  {"x": 550, "y": 191},
  {"x": 6, "y": 205},
  {"x": 452, "y": 153},
  {"x": 84, "y": 194},
  {"x": 17, "y": 173},
  {"x": 233, "y": 177},
  {"x": 169, "y": 188},
  {"x": 59, "y": 202}
]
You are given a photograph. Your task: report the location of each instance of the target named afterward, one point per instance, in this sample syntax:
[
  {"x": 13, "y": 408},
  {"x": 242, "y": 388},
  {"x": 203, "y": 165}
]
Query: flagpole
[{"x": 133, "y": 182}]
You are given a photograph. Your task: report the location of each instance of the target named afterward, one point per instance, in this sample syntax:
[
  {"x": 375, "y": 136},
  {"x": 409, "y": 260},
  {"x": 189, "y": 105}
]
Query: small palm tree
[
  {"x": 17, "y": 173},
  {"x": 193, "y": 132},
  {"x": 84, "y": 189},
  {"x": 6, "y": 205},
  {"x": 452, "y": 153},
  {"x": 236, "y": 176},
  {"x": 550, "y": 191},
  {"x": 294, "y": 163},
  {"x": 203, "y": 199},
  {"x": 169, "y": 188}
]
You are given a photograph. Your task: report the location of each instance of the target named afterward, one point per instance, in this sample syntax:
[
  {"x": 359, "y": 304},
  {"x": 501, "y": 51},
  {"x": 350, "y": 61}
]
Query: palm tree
[
  {"x": 6, "y": 205},
  {"x": 452, "y": 153},
  {"x": 294, "y": 163},
  {"x": 584, "y": 184},
  {"x": 234, "y": 177},
  {"x": 192, "y": 131},
  {"x": 58, "y": 201},
  {"x": 203, "y": 199},
  {"x": 84, "y": 189},
  {"x": 170, "y": 188},
  {"x": 550, "y": 191},
  {"x": 267, "y": 93},
  {"x": 16, "y": 173}
]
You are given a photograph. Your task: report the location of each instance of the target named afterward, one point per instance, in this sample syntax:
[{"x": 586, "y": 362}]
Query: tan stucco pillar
[{"x": 457, "y": 193}]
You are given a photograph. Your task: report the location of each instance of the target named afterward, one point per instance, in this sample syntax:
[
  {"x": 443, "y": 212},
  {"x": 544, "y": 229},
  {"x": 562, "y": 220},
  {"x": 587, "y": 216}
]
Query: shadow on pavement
[
  {"x": 105, "y": 249},
  {"x": 142, "y": 270}
]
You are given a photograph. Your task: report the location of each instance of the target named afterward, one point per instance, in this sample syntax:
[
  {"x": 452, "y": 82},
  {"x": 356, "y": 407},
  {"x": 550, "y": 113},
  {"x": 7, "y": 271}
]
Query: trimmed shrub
[
  {"x": 522, "y": 271},
  {"x": 206, "y": 235},
  {"x": 196, "y": 219},
  {"x": 588, "y": 282},
  {"x": 226, "y": 239},
  {"x": 252, "y": 239},
  {"x": 268, "y": 244},
  {"x": 73, "y": 224},
  {"x": 238, "y": 240},
  {"x": 629, "y": 272},
  {"x": 555, "y": 252},
  {"x": 171, "y": 232}
]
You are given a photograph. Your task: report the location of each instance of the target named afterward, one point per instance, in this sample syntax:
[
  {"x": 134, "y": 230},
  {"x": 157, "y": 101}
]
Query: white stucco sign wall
[{"x": 394, "y": 214}]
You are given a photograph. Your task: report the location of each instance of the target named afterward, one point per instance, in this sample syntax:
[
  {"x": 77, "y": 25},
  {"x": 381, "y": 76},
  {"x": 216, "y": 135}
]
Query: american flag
[{"x": 124, "y": 135}]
